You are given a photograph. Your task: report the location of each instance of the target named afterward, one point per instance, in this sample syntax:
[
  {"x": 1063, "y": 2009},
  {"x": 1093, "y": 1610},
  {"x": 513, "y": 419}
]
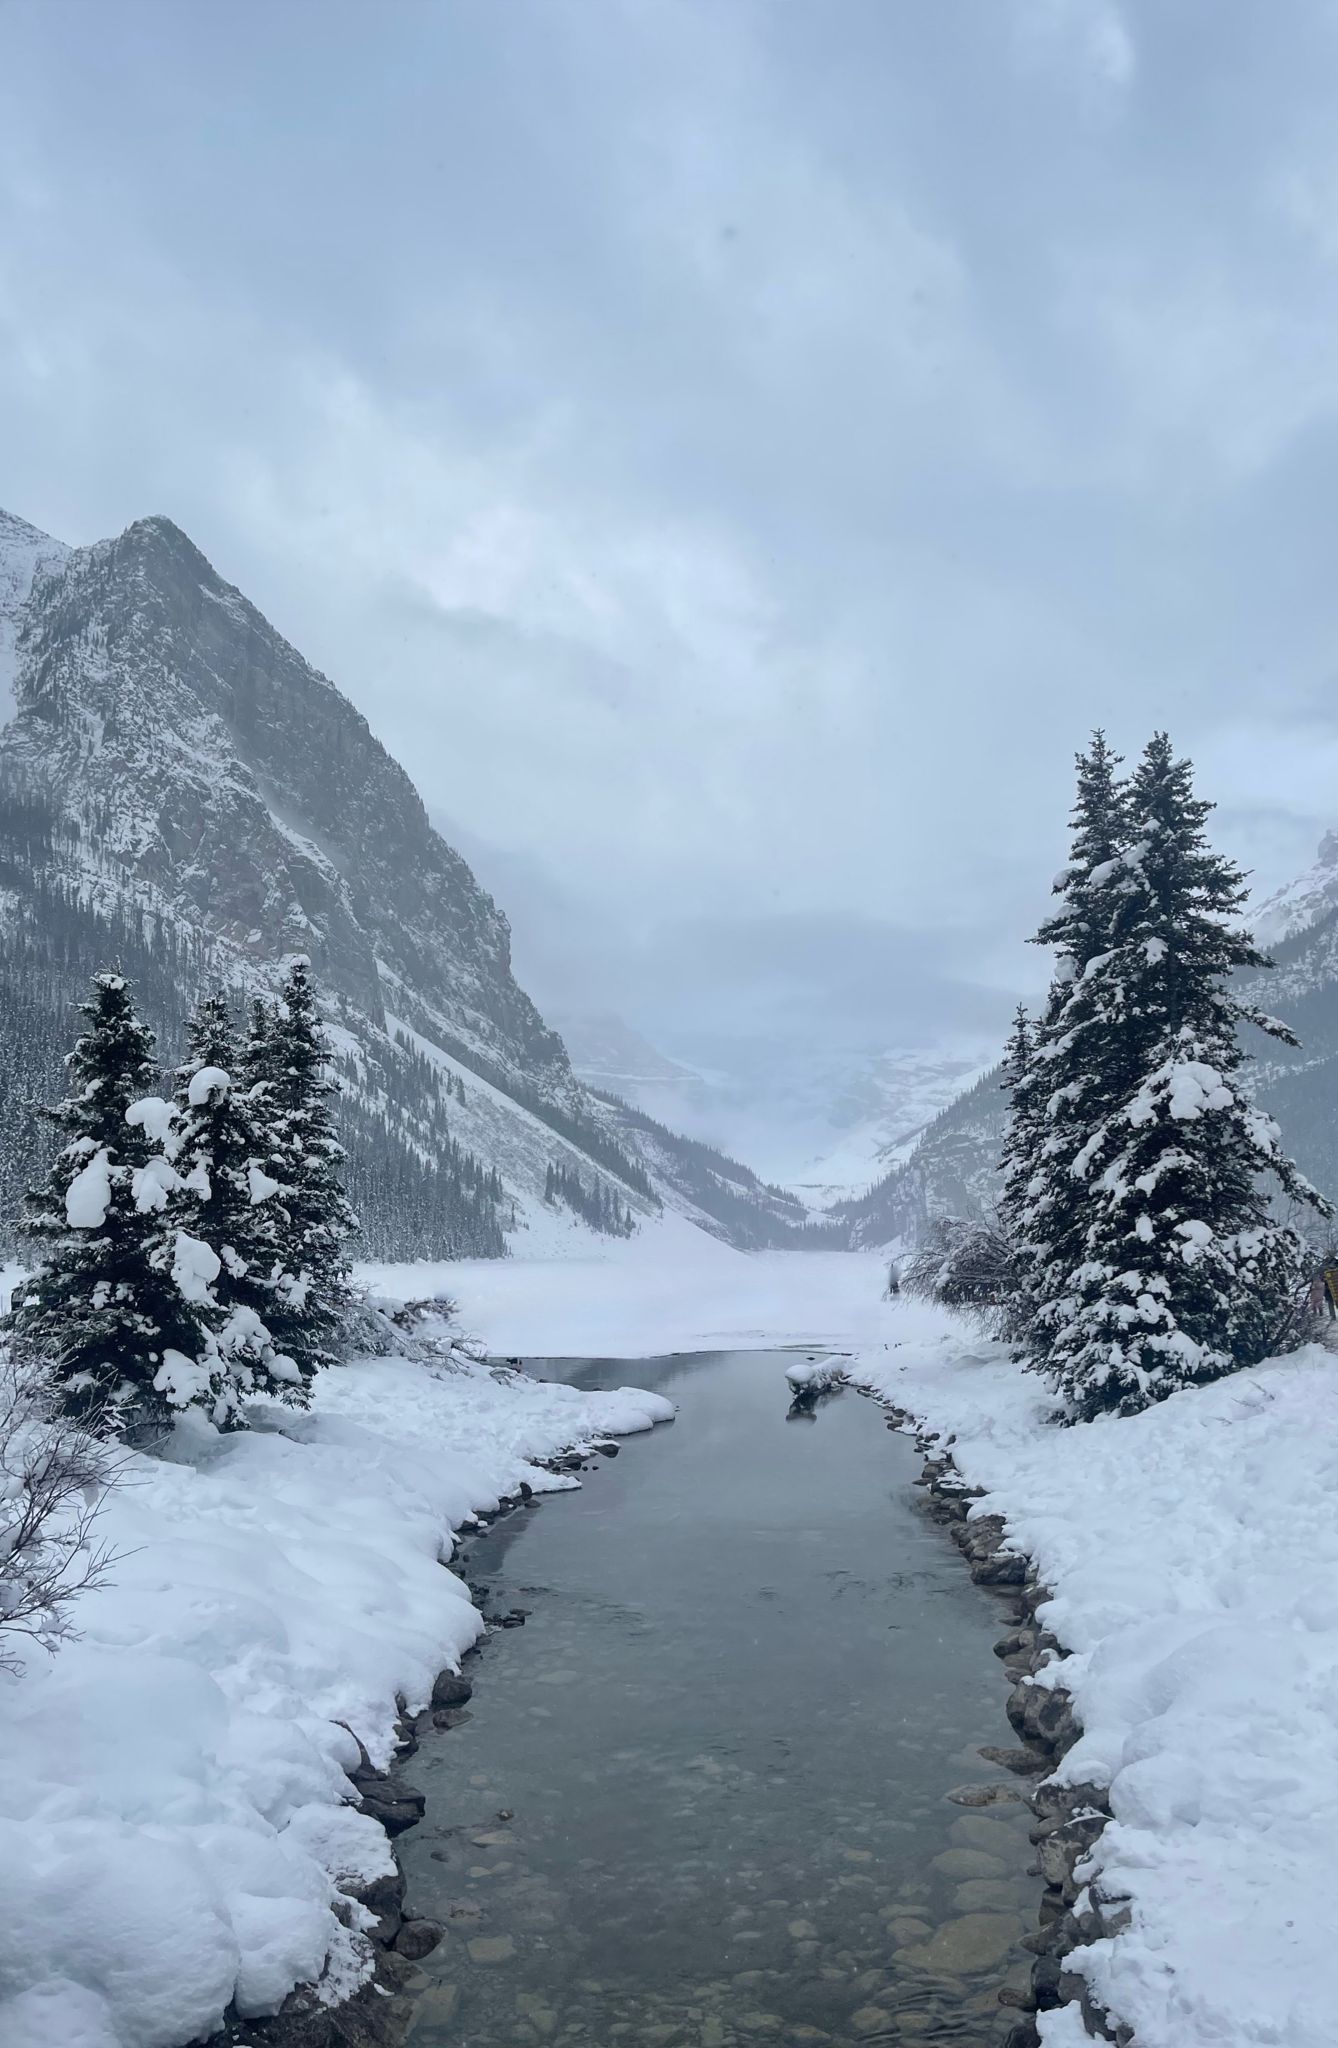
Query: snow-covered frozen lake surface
[
  {"x": 723, "y": 1741},
  {"x": 172, "y": 1791}
]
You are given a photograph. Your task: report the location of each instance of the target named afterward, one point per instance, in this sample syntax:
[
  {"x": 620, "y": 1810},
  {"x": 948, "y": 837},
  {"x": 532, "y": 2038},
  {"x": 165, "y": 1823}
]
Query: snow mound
[{"x": 815, "y": 1375}]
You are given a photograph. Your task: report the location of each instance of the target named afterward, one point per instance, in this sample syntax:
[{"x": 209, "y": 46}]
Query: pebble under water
[{"x": 702, "y": 1798}]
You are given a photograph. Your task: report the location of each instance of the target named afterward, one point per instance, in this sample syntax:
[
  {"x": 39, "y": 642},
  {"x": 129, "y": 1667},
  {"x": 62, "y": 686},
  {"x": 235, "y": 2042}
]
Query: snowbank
[
  {"x": 1193, "y": 1556},
  {"x": 172, "y": 1787},
  {"x": 815, "y": 1375}
]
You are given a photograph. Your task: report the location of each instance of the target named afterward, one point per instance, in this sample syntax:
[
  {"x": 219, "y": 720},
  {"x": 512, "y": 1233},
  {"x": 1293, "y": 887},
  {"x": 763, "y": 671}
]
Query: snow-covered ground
[
  {"x": 1193, "y": 1556},
  {"x": 172, "y": 1785},
  {"x": 669, "y": 1288}
]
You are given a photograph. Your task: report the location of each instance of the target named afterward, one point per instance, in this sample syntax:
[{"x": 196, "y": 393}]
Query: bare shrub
[
  {"x": 965, "y": 1262},
  {"x": 54, "y": 1476}
]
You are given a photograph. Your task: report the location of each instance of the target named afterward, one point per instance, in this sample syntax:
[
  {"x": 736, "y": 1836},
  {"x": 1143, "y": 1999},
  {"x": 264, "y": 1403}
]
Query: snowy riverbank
[
  {"x": 172, "y": 1786},
  {"x": 1193, "y": 1557}
]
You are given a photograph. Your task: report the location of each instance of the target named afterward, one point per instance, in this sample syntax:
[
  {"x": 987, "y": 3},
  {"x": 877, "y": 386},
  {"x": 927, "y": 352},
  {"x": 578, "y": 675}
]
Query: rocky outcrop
[{"x": 1075, "y": 1909}]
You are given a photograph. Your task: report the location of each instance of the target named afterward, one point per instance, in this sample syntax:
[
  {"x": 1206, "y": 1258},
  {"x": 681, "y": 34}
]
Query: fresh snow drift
[
  {"x": 173, "y": 1798},
  {"x": 1192, "y": 1552}
]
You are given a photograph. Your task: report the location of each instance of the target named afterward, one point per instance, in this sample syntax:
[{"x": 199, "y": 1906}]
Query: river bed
[{"x": 701, "y": 1798}]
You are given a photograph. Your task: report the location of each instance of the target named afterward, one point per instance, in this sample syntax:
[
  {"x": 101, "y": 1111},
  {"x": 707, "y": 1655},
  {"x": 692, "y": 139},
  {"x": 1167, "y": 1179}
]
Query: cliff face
[
  {"x": 205, "y": 767},
  {"x": 181, "y": 791}
]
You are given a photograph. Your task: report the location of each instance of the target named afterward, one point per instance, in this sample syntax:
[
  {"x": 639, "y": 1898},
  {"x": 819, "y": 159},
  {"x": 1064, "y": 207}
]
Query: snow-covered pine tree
[
  {"x": 224, "y": 1223},
  {"x": 98, "y": 1312},
  {"x": 1073, "y": 1064},
  {"x": 291, "y": 1060},
  {"x": 1182, "y": 1274},
  {"x": 1020, "y": 1076}
]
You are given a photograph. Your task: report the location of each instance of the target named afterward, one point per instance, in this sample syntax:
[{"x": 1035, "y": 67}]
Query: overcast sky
[{"x": 732, "y": 452}]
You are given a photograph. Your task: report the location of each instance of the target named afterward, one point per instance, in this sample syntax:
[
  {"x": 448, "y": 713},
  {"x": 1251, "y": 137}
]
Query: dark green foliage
[
  {"x": 99, "y": 1311},
  {"x": 597, "y": 1204},
  {"x": 1149, "y": 1257},
  {"x": 225, "y": 1199},
  {"x": 418, "y": 1192},
  {"x": 288, "y": 1067}
]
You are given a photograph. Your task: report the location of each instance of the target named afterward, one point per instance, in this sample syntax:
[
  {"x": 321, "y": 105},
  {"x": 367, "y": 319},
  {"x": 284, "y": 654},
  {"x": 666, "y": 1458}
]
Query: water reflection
[{"x": 701, "y": 1797}]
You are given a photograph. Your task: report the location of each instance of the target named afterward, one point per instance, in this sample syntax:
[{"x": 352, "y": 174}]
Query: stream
[{"x": 701, "y": 1799}]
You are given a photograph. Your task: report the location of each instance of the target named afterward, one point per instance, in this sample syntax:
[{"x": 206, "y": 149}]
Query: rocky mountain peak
[{"x": 181, "y": 791}]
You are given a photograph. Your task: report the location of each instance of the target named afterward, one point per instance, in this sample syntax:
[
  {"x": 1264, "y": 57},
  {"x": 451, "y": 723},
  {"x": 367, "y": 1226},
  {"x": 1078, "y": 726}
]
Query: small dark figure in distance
[{"x": 1330, "y": 1277}]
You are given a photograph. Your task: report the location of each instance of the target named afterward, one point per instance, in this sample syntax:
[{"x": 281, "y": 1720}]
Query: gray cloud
[{"x": 732, "y": 454}]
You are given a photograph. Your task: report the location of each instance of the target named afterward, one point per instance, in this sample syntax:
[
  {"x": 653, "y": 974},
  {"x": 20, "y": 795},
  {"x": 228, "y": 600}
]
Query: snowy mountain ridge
[
  {"x": 181, "y": 791},
  {"x": 1300, "y": 903}
]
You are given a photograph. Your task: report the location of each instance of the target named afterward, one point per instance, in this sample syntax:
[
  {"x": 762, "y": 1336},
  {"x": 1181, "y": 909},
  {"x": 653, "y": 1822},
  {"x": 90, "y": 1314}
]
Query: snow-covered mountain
[
  {"x": 182, "y": 792},
  {"x": 1301, "y": 903}
]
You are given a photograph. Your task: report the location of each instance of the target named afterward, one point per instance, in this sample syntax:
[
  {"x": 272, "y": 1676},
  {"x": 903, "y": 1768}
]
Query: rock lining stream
[{"x": 724, "y": 1786}]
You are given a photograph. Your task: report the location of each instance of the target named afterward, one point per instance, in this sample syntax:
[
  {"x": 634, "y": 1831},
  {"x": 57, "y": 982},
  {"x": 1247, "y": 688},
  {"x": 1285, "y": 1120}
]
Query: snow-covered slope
[
  {"x": 182, "y": 792},
  {"x": 1302, "y": 902},
  {"x": 910, "y": 1087},
  {"x": 23, "y": 550}
]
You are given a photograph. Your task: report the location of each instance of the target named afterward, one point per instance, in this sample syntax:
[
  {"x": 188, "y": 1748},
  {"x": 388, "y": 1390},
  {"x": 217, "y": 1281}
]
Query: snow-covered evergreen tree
[
  {"x": 1180, "y": 1273},
  {"x": 224, "y": 1222},
  {"x": 288, "y": 1057},
  {"x": 1078, "y": 1054},
  {"x": 1021, "y": 1077},
  {"x": 1061, "y": 1075},
  {"x": 99, "y": 1312}
]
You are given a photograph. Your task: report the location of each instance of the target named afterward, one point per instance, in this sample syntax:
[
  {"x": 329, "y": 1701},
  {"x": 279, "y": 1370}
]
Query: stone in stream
[
  {"x": 872, "y": 2022},
  {"x": 491, "y": 1948},
  {"x": 802, "y": 1930},
  {"x": 450, "y": 1690},
  {"x": 908, "y": 1933},
  {"x": 978, "y": 1831},
  {"x": 985, "y": 1795},
  {"x": 964, "y": 1863},
  {"x": 418, "y": 1938},
  {"x": 978, "y": 1941},
  {"x": 991, "y": 1895},
  {"x": 436, "y": 2008},
  {"x": 538, "y": 2012}
]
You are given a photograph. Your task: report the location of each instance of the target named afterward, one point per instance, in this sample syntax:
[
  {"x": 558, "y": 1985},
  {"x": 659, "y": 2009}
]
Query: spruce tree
[
  {"x": 1060, "y": 1078},
  {"x": 306, "y": 1158},
  {"x": 1180, "y": 1273},
  {"x": 226, "y": 1202},
  {"x": 99, "y": 1312},
  {"x": 1020, "y": 1076}
]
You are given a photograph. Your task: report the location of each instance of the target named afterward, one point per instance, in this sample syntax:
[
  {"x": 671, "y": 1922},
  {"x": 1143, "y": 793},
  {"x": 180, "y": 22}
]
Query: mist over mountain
[{"x": 182, "y": 793}]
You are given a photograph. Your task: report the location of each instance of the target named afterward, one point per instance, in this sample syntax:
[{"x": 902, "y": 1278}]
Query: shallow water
[{"x": 700, "y": 1798}]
